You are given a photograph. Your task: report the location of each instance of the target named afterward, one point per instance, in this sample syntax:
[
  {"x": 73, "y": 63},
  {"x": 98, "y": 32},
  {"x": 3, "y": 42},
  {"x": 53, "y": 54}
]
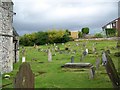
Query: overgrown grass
[{"x": 51, "y": 75}]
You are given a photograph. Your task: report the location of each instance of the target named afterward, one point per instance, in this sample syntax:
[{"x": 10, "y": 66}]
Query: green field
[{"x": 51, "y": 75}]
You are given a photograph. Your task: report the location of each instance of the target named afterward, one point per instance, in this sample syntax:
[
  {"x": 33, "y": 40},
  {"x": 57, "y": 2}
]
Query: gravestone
[
  {"x": 24, "y": 78},
  {"x": 62, "y": 43},
  {"x": 82, "y": 57},
  {"x": 84, "y": 53},
  {"x": 94, "y": 49},
  {"x": 111, "y": 71},
  {"x": 23, "y": 51},
  {"x": 104, "y": 59},
  {"x": 72, "y": 59},
  {"x": 92, "y": 72},
  {"x": 54, "y": 44},
  {"x": 49, "y": 55},
  {"x": 97, "y": 63},
  {"x": 23, "y": 59},
  {"x": 23, "y": 54},
  {"x": 86, "y": 50}
]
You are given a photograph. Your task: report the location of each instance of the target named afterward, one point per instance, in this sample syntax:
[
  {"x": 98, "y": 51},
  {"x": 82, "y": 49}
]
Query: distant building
[
  {"x": 115, "y": 24},
  {"x": 74, "y": 34},
  {"x": 9, "y": 38}
]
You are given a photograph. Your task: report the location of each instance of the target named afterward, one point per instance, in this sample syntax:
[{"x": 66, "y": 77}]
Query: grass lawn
[{"x": 51, "y": 75}]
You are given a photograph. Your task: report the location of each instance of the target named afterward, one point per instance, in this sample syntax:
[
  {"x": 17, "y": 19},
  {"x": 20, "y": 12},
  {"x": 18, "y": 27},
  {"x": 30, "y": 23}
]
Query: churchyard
[{"x": 48, "y": 64}]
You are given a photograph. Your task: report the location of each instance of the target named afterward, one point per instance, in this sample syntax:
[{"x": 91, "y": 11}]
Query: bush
[{"x": 98, "y": 35}]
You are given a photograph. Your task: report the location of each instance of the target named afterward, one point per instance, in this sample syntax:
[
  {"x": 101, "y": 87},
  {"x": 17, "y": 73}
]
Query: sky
[{"x": 42, "y": 15}]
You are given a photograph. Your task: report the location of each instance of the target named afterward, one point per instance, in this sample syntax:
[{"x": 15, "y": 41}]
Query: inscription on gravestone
[{"x": 25, "y": 77}]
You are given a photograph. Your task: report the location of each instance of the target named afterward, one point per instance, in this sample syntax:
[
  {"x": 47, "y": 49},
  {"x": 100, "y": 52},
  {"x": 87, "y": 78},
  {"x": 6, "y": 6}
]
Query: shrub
[{"x": 98, "y": 35}]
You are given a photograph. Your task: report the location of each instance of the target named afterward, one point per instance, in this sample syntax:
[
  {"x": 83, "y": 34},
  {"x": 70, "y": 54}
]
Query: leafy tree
[{"x": 85, "y": 30}]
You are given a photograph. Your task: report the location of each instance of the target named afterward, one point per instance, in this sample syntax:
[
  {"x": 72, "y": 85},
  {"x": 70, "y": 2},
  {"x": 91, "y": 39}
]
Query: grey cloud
[{"x": 62, "y": 14}]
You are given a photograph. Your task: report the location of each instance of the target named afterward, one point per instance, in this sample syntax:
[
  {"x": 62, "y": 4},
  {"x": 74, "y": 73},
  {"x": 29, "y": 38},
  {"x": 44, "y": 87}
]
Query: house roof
[{"x": 111, "y": 22}]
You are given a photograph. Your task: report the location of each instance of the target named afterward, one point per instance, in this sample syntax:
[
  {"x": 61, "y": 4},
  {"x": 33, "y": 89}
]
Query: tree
[
  {"x": 80, "y": 34},
  {"x": 85, "y": 30}
]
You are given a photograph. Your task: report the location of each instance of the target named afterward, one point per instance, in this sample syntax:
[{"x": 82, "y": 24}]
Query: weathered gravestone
[
  {"x": 92, "y": 72},
  {"x": 72, "y": 59},
  {"x": 111, "y": 71},
  {"x": 49, "y": 55},
  {"x": 24, "y": 78},
  {"x": 84, "y": 53},
  {"x": 97, "y": 63}
]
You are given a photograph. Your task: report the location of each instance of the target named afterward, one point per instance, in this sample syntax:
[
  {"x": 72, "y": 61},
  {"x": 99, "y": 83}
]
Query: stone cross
[
  {"x": 92, "y": 72},
  {"x": 49, "y": 55},
  {"x": 72, "y": 59},
  {"x": 24, "y": 78}
]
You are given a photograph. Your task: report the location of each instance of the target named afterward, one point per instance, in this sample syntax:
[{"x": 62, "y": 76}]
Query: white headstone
[
  {"x": 49, "y": 55},
  {"x": 86, "y": 51},
  {"x": 23, "y": 59}
]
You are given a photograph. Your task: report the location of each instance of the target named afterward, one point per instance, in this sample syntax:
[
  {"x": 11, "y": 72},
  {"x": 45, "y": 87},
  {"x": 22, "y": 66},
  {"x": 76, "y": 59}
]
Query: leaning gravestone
[
  {"x": 111, "y": 71},
  {"x": 49, "y": 55},
  {"x": 24, "y": 78}
]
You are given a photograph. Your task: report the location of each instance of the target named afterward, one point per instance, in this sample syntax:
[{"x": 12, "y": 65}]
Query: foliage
[
  {"x": 98, "y": 35},
  {"x": 85, "y": 30},
  {"x": 80, "y": 35},
  {"x": 41, "y": 38},
  {"x": 110, "y": 32}
]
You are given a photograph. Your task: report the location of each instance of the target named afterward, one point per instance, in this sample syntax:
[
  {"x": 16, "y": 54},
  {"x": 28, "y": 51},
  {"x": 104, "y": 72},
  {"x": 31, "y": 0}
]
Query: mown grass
[{"x": 51, "y": 75}]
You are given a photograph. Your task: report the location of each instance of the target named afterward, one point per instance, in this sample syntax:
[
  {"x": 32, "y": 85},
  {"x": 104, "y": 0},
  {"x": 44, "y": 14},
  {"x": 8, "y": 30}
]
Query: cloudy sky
[{"x": 42, "y": 15}]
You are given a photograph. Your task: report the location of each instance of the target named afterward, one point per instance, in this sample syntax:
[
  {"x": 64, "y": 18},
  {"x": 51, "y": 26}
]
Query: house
[
  {"x": 9, "y": 38},
  {"x": 74, "y": 34},
  {"x": 115, "y": 24}
]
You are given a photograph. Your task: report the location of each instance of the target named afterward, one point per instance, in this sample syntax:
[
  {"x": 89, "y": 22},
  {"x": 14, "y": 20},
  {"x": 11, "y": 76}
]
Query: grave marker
[
  {"x": 49, "y": 55},
  {"x": 97, "y": 63},
  {"x": 111, "y": 71},
  {"x": 72, "y": 59},
  {"x": 24, "y": 78},
  {"x": 92, "y": 72}
]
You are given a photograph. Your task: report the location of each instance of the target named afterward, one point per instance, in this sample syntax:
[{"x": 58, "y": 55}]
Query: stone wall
[{"x": 7, "y": 50}]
